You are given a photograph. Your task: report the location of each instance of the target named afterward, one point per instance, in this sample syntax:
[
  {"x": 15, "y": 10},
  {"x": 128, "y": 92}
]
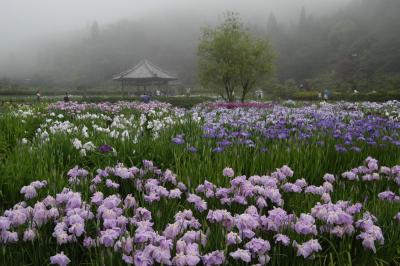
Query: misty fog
[
  {"x": 22, "y": 20},
  {"x": 84, "y": 43},
  {"x": 27, "y": 26}
]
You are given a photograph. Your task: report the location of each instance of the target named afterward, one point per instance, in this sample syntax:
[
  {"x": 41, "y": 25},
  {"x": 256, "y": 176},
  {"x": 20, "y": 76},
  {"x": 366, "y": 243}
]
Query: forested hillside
[{"x": 355, "y": 48}]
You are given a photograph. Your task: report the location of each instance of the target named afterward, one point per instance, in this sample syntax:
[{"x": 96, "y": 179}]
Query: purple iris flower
[
  {"x": 340, "y": 148},
  {"x": 178, "y": 140},
  {"x": 224, "y": 143},
  {"x": 356, "y": 149},
  {"x": 105, "y": 148},
  {"x": 218, "y": 149},
  {"x": 192, "y": 149}
]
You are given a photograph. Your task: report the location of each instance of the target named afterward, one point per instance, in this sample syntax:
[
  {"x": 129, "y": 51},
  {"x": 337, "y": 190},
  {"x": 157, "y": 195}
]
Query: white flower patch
[
  {"x": 77, "y": 144},
  {"x": 83, "y": 149}
]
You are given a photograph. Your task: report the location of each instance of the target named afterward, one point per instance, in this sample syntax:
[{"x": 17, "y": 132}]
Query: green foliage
[
  {"x": 232, "y": 59},
  {"x": 304, "y": 96},
  {"x": 183, "y": 102},
  {"x": 51, "y": 161},
  {"x": 218, "y": 56},
  {"x": 343, "y": 96},
  {"x": 370, "y": 96}
]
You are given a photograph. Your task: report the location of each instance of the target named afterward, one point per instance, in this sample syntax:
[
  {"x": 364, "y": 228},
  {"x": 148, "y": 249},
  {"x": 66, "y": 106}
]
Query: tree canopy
[{"x": 232, "y": 59}]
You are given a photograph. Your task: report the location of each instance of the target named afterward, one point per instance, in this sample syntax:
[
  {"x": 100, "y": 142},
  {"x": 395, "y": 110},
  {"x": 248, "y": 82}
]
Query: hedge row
[{"x": 352, "y": 97}]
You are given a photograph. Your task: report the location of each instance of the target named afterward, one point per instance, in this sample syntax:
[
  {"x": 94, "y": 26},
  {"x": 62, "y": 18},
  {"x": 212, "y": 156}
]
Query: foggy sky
[
  {"x": 26, "y": 25},
  {"x": 22, "y": 20}
]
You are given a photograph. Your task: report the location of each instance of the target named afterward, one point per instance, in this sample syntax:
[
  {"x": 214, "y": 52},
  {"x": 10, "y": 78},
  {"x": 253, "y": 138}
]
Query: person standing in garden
[
  {"x": 38, "y": 96},
  {"x": 66, "y": 97},
  {"x": 327, "y": 94}
]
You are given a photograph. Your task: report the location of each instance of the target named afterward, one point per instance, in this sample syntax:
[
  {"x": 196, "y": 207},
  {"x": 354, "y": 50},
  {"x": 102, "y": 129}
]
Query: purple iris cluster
[
  {"x": 350, "y": 126},
  {"x": 234, "y": 105},
  {"x": 244, "y": 212}
]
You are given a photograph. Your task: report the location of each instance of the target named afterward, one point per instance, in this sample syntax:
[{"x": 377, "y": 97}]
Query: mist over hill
[{"x": 330, "y": 43}]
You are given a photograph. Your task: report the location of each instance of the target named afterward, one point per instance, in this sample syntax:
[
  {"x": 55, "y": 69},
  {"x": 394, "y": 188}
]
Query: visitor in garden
[
  {"x": 145, "y": 98},
  {"x": 327, "y": 94},
  {"x": 66, "y": 97},
  {"x": 38, "y": 96}
]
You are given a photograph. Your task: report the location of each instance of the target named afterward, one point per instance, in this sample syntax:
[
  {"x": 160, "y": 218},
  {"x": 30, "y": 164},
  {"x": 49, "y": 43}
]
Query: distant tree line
[{"x": 356, "y": 48}]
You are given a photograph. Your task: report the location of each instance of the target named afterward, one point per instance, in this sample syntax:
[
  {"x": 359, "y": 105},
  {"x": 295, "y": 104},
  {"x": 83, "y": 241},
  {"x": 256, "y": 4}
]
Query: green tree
[
  {"x": 231, "y": 58},
  {"x": 255, "y": 63}
]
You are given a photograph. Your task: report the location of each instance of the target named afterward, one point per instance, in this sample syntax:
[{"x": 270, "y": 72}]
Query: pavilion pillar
[{"x": 122, "y": 87}]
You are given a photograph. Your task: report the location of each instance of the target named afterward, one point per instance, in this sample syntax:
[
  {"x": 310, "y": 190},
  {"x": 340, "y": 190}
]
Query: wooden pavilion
[{"x": 145, "y": 74}]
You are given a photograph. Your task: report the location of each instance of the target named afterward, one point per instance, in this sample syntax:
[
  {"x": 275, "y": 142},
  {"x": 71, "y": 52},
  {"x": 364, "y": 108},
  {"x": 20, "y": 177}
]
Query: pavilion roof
[{"x": 145, "y": 70}]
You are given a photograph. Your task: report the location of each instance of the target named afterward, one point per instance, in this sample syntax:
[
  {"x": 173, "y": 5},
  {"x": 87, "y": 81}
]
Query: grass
[{"x": 21, "y": 164}]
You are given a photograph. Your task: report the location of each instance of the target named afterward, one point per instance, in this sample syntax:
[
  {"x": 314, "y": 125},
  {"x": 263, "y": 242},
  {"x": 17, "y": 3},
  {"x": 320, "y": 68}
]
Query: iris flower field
[{"x": 219, "y": 184}]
